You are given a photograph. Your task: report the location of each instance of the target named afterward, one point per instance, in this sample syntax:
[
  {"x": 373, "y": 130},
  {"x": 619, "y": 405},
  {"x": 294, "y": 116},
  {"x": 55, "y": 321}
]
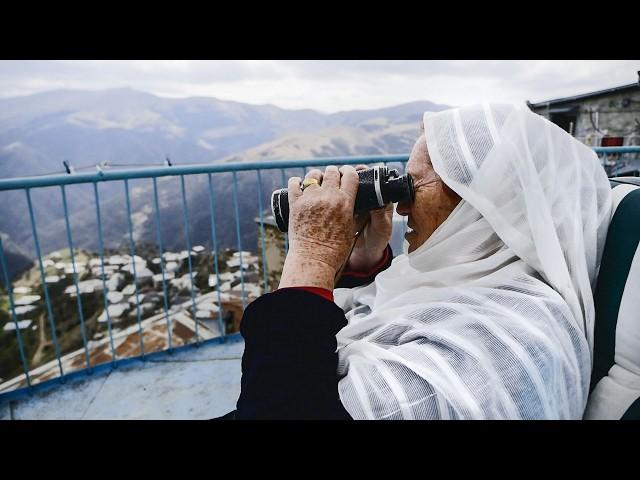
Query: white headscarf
[{"x": 492, "y": 317}]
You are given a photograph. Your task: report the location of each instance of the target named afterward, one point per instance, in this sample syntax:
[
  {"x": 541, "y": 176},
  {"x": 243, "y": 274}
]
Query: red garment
[{"x": 323, "y": 292}]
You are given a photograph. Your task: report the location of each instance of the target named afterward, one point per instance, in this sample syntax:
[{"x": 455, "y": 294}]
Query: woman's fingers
[
  {"x": 294, "y": 189},
  {"x": 314, "y": 173},
  {"x": 331, "y": 177},
  {"x": 361, "y": 166},
  {"x": 350, "y": 180},
  {"x": 382, "y": 213},
  {"x": 359, "y": 221},
  {"x": 382, "y": 218}
]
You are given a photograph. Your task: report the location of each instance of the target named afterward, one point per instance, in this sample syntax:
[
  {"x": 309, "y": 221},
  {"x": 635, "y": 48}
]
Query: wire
[{"x": 103, "y": 165}]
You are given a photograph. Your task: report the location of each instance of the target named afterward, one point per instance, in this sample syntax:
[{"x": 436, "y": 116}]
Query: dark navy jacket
[{"x": 289, "y": 365}]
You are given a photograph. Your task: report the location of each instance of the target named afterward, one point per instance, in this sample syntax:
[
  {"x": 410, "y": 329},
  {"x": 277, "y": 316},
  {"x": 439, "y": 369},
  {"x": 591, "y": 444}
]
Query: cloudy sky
[{"x": 327, "y": 85}]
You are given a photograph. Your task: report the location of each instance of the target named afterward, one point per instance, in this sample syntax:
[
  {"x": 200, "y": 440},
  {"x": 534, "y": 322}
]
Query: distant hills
[{"x": 128, "y": 127}]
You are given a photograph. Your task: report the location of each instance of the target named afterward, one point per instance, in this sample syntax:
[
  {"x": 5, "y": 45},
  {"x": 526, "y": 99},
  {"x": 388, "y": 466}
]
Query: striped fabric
[{"x": 615, "y": 381}]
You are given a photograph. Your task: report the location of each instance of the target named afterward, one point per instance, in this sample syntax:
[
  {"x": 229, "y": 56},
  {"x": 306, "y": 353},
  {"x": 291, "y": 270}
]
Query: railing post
[
  {"x": 264, "y": 251},
  {"x": 185, "y": 214},
  {"x": 235, "y": 204},
  {"x": 104, "y": 283},
  {"x": 52, "y": 324},
  {"x": 164, "y": 282},
  {"x": 75, "y": 277},
  {"x": 215, "y": 253},
  {"x": 133, "y": 266}
]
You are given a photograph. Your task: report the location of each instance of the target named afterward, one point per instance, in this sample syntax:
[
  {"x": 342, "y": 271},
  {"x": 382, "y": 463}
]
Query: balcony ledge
[{"x": 196, "y": 383}]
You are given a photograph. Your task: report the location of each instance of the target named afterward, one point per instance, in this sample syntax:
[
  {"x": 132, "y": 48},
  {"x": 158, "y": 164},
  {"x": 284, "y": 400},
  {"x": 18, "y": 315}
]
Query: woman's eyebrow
[{"x": 424, "y": 181}]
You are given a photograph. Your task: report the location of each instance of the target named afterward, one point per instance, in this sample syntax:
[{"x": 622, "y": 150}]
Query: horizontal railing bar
[
  {"x": 151, "y": 172},
  {"x": 627, "y": 149}
]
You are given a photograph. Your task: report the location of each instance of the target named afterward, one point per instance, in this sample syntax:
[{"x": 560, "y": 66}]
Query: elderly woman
[{"x": 488, "y": 314}]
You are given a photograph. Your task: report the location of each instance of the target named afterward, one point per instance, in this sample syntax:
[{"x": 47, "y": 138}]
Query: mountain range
[{"x": 124, "y": 127}]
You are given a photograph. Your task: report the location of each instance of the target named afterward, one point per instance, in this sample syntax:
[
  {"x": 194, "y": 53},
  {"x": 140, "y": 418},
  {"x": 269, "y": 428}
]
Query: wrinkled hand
[
  {"x": 375, "y": 237},
  {"x": 321, "y": 227}
]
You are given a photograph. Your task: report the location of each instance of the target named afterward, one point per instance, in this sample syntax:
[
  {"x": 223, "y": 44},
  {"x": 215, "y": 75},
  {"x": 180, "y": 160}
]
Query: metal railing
[
  {"x": 125, "y": 175},
  {"x": 617, "y": 160}
]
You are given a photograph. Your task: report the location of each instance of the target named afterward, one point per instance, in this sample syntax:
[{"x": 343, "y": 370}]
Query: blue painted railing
[
  {"x": 27, "y": 184},
  {"x": 102, "y": 174}
]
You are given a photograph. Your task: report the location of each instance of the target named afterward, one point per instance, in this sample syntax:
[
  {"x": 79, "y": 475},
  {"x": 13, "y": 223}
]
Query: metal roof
[{"x": 622, "y": 88}]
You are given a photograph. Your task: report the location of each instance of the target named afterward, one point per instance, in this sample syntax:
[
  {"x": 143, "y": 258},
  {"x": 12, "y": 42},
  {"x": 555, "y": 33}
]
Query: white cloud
[{"x": 326, "y": 85}]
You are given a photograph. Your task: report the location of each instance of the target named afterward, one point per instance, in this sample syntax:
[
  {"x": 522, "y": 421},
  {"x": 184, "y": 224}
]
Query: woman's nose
[{"x": 403, "y": 208}]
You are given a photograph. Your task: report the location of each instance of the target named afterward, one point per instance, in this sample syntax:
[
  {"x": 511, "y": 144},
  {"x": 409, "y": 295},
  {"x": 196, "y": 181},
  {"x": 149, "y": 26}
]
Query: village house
[
  {"x": 609, "y": 117},
  {"x": 26, "y": 299},
  {"x": 22, "y": 324}
]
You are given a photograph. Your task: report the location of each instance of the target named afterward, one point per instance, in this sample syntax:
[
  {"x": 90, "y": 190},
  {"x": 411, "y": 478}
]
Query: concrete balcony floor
[{"x": 198, "y": 383}]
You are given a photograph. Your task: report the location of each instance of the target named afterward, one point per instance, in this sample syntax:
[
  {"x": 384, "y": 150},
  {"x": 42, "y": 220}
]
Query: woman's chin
[{"x": 410, "y": 237}]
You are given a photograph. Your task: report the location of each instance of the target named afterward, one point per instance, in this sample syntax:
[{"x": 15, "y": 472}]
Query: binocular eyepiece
[{"x": 378, "y": 187}]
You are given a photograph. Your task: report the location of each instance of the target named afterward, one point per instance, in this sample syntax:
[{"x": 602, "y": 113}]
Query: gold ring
[{"x": 309, "y": 181}]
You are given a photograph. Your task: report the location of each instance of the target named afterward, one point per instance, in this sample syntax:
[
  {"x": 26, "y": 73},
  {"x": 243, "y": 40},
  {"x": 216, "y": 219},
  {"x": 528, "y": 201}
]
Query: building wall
[{"x": 617, "y": 113}]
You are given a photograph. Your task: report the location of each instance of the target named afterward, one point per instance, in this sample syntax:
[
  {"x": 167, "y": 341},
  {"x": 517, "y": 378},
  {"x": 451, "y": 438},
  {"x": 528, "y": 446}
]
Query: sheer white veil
[{"x": 492, "y": 317}]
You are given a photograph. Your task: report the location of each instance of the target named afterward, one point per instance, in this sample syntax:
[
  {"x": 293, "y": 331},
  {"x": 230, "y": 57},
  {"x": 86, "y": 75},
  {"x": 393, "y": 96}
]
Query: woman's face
[{"x": 434, "y": 201}]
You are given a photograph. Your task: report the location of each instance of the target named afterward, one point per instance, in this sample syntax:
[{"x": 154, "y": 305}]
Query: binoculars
[{"x": 378, "y": 187}]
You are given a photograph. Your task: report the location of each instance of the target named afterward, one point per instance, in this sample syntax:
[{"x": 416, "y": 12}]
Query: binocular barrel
[{"x": 378, "y": 187}]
